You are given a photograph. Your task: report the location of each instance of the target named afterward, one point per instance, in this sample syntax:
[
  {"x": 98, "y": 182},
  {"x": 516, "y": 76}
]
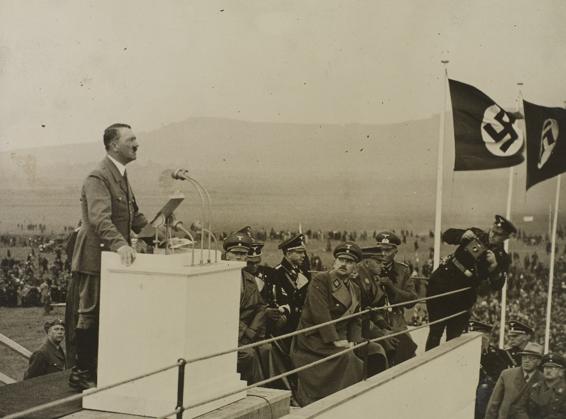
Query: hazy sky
[{"x": 77, "y": 66}]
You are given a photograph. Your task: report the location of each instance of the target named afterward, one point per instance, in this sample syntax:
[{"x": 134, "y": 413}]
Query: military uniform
[
  {"x": 397, "y": 286},
  {"x": 109, "y": 214},
  {"x": 464, "y": 268},
  {"x": 289, "y": 286},
  {"x": 251, "y": 329},
  {"x": 546, "y": 400},
  {"x": 47, "y": 359},
  {"x": 329, "y": 297}
]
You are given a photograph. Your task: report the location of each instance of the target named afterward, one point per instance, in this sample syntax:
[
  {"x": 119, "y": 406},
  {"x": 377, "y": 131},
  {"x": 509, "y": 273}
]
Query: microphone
[{"x": 180, "y": 174}]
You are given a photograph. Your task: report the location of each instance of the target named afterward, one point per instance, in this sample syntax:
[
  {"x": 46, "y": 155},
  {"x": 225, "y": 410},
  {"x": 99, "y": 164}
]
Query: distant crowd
[{"x": 39, "y": 275}]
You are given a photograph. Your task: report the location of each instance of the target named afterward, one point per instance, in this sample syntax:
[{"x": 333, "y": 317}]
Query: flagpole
[
  {"x": 506, "y": 247},
  {"x": 551, "y": 270},
  {"x": 503, "y": 315},
  {"x": 440, "y": 172}
]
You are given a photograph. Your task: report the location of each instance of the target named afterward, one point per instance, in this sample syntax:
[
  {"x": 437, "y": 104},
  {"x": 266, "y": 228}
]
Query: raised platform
[
  {"x": 439, "y": 384},
  {"x": 259, "y": 403},
  {"x": 26, "y": 394}
]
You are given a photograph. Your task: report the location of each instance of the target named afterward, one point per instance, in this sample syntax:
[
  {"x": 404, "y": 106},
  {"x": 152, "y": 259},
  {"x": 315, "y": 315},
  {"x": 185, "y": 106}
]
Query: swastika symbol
[
  {"x": 548, "y": 139},
  {"x": 500, "y": 133}
]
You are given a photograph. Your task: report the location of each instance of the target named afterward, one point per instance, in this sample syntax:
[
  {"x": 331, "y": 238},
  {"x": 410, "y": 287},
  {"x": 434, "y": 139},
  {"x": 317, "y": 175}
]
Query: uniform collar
[{"x": 121, "y": 168}]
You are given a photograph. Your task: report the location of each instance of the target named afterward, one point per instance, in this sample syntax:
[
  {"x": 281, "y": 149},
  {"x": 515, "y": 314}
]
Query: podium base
[{"x": 122, "y": 400}]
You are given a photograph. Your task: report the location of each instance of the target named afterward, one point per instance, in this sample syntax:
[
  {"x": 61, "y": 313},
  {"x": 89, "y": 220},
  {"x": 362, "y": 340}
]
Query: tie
[{"x": 127, "y": 185}]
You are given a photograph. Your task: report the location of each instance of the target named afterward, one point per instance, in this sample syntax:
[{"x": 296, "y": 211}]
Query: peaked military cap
[
  {"x": 370, "y": 252},
  {"x": 387, "y": 237},
  {"x": 553, "y": 359},
  {"x": 237, "y": 241},
  {"x": 350, "y": 250},
  {"x": 255, "y": 251},
  {"x": 50, "y": 323},
  {"x": 504, "y": 224},
  {"x": 517, "y": 327},
  {"x": 477, "y": 326},
  {"x": 294, "y": 243},
  {"x": 532, "y": 348},
  {"x": 247, "y": 230}
]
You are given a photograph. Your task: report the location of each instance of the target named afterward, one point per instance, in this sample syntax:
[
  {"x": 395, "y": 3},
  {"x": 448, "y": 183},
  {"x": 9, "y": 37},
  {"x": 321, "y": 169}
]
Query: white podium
[{"x": 156, "y": 311}]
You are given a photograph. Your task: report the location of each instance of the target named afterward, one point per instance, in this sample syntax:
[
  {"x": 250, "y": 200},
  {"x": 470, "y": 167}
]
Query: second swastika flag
[
  {"x": 546, "y": 142},
  {"x": 485, "y": 135}
]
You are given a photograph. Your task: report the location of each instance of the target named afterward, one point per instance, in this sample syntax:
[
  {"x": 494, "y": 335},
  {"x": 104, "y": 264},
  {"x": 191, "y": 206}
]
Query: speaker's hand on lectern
[{"x": 127, "y": 255}]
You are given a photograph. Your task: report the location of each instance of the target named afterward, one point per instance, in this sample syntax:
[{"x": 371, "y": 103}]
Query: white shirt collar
[{"x": 121, "y": 168}]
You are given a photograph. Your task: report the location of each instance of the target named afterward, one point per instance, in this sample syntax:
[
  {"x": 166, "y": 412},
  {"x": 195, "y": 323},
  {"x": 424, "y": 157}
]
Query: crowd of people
[{"x": 38, "y": 279}]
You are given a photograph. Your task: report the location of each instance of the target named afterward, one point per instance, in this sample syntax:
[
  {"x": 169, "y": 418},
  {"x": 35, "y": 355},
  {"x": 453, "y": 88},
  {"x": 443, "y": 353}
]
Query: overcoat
[
  {"x": 509, "y": 389},
  {"x": 328, "y": 298},
  {"x": 544, "y": 402}
]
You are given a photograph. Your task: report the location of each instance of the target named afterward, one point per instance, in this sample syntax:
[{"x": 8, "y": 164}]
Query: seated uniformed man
[
  {"x": 252, "y": 310},
  {"x": 547, "y": 398},
  {"x": 398, "y": 285},
  {"x": 273, "y": 360},
  {"x": 290, "y": 281},
  {"x": 49, "y": 357},
  {"x": 331, "y": 295},
  {"x": 374, "y": 325}
]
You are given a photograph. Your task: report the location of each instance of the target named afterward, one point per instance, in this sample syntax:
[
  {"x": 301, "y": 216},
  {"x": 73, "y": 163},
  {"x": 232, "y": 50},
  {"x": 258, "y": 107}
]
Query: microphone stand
[{"x": 206, "y": 214}]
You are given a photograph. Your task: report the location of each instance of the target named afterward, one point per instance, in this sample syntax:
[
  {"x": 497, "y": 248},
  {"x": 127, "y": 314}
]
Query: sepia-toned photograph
[{"x": 282, "y": 209}]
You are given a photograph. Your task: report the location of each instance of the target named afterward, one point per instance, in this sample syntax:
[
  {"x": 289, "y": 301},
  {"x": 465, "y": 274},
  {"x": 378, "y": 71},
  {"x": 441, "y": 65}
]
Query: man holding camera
[{"x": 480, "y": 260}]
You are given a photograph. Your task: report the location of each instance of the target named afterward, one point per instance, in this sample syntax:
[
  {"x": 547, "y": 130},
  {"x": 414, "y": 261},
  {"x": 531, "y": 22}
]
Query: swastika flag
[
  {"x": 485, "y": 135},
  {"x": 546, "y": 142}
]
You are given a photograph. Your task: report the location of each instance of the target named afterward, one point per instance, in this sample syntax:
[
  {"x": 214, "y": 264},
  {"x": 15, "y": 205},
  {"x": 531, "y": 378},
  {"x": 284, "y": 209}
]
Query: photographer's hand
[
  {"x": 468, "y": 235},
  {"x": 491, "y": 261}
]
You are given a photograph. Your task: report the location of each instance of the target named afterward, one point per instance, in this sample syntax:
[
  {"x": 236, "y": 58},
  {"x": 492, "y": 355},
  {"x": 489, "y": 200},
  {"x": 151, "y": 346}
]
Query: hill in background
[{"x": 273, "y": 174}]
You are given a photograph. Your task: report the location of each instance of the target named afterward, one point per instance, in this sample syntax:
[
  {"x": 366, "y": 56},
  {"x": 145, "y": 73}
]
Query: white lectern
[{"x": 156, "y": 311}]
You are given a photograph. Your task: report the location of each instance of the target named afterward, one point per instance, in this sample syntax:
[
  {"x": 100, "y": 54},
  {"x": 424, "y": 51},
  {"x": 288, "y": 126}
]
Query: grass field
[{"x": 25, "y": 326}]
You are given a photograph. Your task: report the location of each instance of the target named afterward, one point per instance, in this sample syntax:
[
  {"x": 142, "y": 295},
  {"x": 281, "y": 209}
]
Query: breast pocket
[{"x": 120, "y": 207}]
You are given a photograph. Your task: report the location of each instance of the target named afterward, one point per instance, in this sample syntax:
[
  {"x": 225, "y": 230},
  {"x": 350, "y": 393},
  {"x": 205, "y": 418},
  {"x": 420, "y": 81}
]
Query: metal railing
[{"x": 182, "y": 362}]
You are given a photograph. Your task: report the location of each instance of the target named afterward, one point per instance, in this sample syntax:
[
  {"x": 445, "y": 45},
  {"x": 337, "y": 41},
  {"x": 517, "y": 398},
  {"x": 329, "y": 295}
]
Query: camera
[{"x": 475, "y": 249}]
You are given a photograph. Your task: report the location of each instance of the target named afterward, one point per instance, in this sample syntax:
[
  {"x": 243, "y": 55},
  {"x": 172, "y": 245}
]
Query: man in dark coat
[
  {"x": 331, "y": 295},
  {"x": 109, "y": 213},
  {"x": 49, "y": 357},
  {"x": 547, "y": 398},
  {"x": 374, "y": 324},
  {"x": 290, "y": 282},
  {"x": 493, "y": 361},
  {"x": 513, "y": 384},
  {"x": 479, "y": 260},
  {"x": 252, "y": 309}
]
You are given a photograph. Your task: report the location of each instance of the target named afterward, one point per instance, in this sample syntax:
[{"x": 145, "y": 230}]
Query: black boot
[{"x": 83, "y": 374}]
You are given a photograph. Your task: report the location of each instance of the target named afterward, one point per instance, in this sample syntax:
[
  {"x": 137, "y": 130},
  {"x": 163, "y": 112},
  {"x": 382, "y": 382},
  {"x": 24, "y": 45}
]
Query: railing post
[
  {"x": 365, "y": 329},
  {"x": 180, "y": 387}
]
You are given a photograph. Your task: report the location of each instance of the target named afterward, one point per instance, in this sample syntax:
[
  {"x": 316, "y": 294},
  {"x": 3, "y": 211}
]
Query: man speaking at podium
[{"x": 109, "y": 213}]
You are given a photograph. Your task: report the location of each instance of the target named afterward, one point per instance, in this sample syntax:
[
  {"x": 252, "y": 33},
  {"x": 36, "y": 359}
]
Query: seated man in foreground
[
  {"x": 49, "y": 357},
  {"x": 332, "y": 295}
]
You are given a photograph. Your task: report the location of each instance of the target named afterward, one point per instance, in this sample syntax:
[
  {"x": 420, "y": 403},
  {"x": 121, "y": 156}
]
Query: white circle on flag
[{"x": 501, "y": 137}]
